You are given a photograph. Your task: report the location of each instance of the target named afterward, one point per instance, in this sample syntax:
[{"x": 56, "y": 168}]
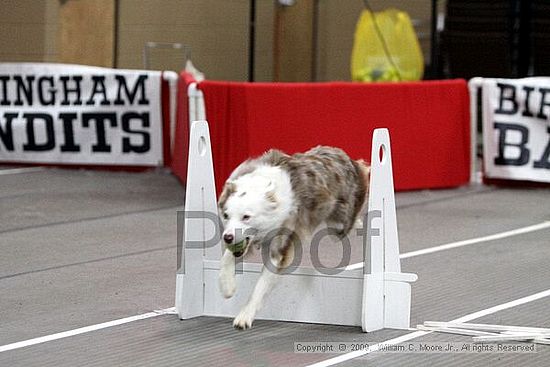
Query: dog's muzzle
[{"x": 240, "y": 248}]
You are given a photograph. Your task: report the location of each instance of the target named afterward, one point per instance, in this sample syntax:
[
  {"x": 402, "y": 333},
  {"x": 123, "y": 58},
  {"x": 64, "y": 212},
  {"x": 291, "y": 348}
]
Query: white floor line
[
  {"x": 473, "y": 241},
  {"x": 417, "y": 334},
  {"x": 14, "y": 171},
  {"x": 86, "y": 329}
]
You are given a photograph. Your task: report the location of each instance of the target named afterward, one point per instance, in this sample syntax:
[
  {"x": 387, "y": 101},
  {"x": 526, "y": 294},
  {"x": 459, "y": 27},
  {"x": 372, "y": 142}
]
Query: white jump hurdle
[{"x": 374, "y": 301}]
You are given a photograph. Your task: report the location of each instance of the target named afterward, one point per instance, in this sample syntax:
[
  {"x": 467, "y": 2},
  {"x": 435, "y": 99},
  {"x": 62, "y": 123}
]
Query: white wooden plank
[
  {"x": 486, "y": 327},
  {"x": 301, "y": 298}
]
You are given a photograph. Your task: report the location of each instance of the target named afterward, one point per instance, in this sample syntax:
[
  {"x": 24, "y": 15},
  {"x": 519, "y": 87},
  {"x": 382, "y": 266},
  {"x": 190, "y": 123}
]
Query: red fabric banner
[{"x": 428, "y": 122}]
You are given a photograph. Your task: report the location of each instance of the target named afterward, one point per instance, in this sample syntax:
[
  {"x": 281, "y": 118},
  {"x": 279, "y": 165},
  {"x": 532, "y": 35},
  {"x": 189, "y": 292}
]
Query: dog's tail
[{"x": 364, "y": 171}]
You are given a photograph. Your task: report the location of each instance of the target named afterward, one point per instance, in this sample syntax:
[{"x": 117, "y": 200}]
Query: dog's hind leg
[{"x": 227, "y": 274}]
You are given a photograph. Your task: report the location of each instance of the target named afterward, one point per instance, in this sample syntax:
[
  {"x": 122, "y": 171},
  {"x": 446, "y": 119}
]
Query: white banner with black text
[
  {"x": 71, "y": 114},
  {"x": 516, "y": 128}
]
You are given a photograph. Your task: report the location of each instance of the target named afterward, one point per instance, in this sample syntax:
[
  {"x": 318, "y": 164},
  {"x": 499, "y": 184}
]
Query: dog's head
[{"x": 251, "y": 206}]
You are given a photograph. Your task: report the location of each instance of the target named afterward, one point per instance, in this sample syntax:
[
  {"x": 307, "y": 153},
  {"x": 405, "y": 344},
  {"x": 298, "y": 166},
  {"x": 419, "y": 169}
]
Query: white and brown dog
[{"x": 268, "y": 197}]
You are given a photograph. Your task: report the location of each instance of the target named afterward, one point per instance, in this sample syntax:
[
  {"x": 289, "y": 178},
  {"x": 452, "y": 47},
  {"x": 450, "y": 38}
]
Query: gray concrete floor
[{"x": 83, "y": 247}]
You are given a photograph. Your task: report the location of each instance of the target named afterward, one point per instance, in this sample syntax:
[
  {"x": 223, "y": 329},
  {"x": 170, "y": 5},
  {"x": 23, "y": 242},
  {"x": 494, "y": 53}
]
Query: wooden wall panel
[
  {"x": 293, "y": 42},
  {"x": 265, "y": 11},
  {"x": 28, "y": 28},
  {"x": 86, "y": 32},
  {"x": 216, "y": 31}
]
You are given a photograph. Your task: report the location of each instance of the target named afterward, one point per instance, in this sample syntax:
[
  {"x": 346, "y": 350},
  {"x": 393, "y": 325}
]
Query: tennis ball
[{"x": 237, "y": 247}]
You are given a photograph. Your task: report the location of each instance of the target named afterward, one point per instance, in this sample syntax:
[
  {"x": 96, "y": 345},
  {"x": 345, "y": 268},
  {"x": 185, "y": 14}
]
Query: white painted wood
[
  {"x": 397, "y": 305},
  {"x": 199, "y": 226},
  {"x": 386, "y": 292},
  {"x": 486, "y": 333},
  {"x": 373, "y": 302},
  {"x": 296, "y": 297},
  {"x": 486, "y": 327},
  {"x": 201, "y": 193},
  {"x": 306, "y": 271},
  {"x": 400, "y": 277},
  {"x": 510, "y": 337},
  {"x": 455, "y": 331},
  {"x": 306, "y": 294}
]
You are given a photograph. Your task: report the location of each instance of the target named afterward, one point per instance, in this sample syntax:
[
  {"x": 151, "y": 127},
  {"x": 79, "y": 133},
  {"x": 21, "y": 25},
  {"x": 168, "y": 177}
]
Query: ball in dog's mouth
[{"x": 237, "y": 249}]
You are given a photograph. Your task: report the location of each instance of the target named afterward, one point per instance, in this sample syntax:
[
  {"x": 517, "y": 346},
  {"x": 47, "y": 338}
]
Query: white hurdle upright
[
  {"x": 200, "y": 205},
  {"x": 387, "y": 292},
  {"x": 349, "y": 297}
]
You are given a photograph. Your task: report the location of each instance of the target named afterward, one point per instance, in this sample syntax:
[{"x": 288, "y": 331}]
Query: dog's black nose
[{"x": 228, "y": 238}]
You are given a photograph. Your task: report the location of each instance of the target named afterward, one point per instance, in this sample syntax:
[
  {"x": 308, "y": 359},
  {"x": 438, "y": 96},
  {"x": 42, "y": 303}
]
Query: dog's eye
[
  {"x": 225, "y": 216},
  {"x": 246, "y": 217}
]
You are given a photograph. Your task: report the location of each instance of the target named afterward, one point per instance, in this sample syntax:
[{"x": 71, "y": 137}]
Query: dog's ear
[
  {"x": 275, "y": 157},
  {"x": 230, "y": 185},
  {"x": 270, "y": 194},
  {"x": 228, "y": 189},
  {"x": 270, "y": 186}
]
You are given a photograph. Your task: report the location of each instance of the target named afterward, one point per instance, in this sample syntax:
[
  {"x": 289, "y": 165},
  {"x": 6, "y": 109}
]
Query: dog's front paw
[
  {"x": 244, "y": 319},
  {"x": 227, "y": 284}
]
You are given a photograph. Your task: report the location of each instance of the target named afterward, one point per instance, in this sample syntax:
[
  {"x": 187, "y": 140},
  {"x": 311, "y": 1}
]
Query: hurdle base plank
[{"x": 305, "y": 295}]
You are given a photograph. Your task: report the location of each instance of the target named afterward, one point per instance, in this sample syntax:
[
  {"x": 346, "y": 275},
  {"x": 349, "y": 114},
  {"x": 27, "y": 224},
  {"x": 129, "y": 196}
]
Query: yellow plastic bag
[{"x": 403, "y": 59}]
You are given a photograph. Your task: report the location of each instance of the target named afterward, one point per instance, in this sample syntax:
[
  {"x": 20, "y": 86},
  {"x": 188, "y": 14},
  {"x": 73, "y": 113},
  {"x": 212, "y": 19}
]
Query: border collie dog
[{"x": 268, "y": 197}]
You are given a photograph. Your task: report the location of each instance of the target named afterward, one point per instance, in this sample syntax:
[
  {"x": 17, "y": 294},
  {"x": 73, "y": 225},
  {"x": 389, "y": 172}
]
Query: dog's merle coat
[{"x": 326, "y": 186}]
